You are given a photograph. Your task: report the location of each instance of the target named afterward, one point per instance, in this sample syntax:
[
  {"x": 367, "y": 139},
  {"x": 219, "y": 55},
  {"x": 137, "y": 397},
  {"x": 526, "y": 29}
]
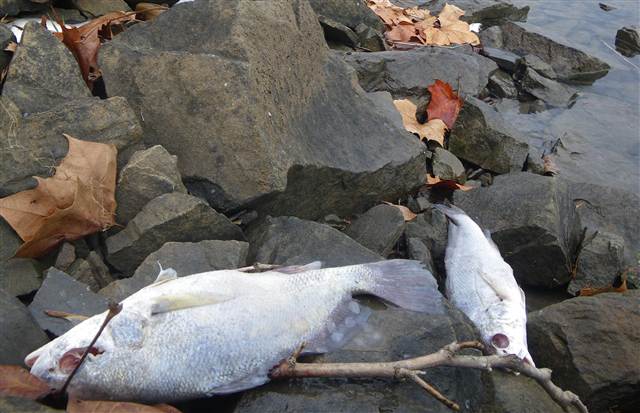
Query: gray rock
[
  {"x": 431, "y": 228},
  {"x": 19, "y": 405},
  {"x": 535, "y": 163},
  {"x": 9, "y": 241},
  {"x": 275, "y": 143},
  {"x": 547, "y": 90},
  {"x": 169, "y": 217},
  {"x": 570, "y": 64},
  {"x": 186, "y": 258},
  {"x": 81, "y": 271},
  {"x": 6, "y": 37},
  {"x": 418, "y": 250},
  {"x": 591, "y": 344},
  {"x": 385, "y": 107},
  {"x": 520, "y": 394},
  {"x": 501, "y": 85},
  {"x": 349, "y": 13},
  {"x": 15, "y": 7},
  {"x": 100, "y": 7},
  {"x": 503, "y": 58},
  {"x": 533, "y": 222},
  {"x": 378, "y": 229},
  {"x": 60, "y": 292},
  {"x": 20, "y": 332},
  {"x": 628, "y": 41},
  {"x": 446, "y": 166},
  {"x": 487, "y": 12},
  {"x": 491, "y": 37},
  {"x": 43, "y": 73},
  {"x": 289, "y": 240},
  {"x": 408, "y": 73},
  {"x": 534, "y": 62},
  {"x": 148, "y": 174},
  {"x": 370, "y": 39},
  {"x": 335, "y": 32},
  {"x": 481, "y": 137},
  {"x": 32, "y": 144},
  {"x": 19, "y": 276},
  {"x": 66, "y": 256},
  {"x": 600, "y": 261}
]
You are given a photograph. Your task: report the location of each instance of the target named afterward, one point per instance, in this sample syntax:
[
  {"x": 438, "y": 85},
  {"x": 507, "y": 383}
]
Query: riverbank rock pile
[{"x": 266, "y": 132}]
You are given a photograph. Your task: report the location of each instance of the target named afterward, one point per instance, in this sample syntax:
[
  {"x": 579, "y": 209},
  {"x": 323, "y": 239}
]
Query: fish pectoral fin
[
  {"x": 295, "y": 269},
  {"x": 165, "y": 274},
  {"x": 182, "y": 301}
]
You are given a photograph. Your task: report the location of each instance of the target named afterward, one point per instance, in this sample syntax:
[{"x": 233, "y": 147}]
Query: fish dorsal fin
[
  {"x": 487, "y": 235},
  {"x": 294, "y": 269},
  {"x": 165, "y": 274},
  {"x": 184, "y": 300}
]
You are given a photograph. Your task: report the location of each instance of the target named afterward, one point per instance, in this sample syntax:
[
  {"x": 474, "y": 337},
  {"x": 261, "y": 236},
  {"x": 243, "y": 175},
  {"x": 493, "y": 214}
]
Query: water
[{"x": 601, "y": 132}]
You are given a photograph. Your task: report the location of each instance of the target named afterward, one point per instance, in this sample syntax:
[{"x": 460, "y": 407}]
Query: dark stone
[
  {"x": 501, "y": 85},
  {"x": 628, "y": 41},
  {"x": 19, "y": 276},
  {"x": 445, "y": 165},
  {"x": 491, "y": 37},
  {"x": 20, "y": 332},
  {"x": 487, "y": 12},
  {"x": 60, "y": 292},
  {"x": 15, "y": 7},
  {"x": 418, "y": 250},
  {"x": 533, "y": 222},
  {"x": 481, "y": 136},
  {"x": 6, "y": 37},
  {"x": 503, "y": 58},
  {"x": 9, "y": 241},
  {"x": 335, "y": 32},
  {"x": 430, "y": 227},
  {"x": 600, "y": 261},
  {"x": 349, "y": 13},
  {"x": 66, "y": 256},
  {"x": 408, "y": 73},
  {"x": 547, "y": 90},
  {"x": 289, "y": 240},
  {"x": 520, "y": 394},
  {"x": 378, "y": 229},
  {"x": 100, "y": 7},
  {"x": 275, "y": 143},
  {"x": 370, "y": 39},
  {"x": 169, "y": 217},
  {"x": 19, "y": 405},
  {"x": 385, "y": 107},
  {"x": 148, "y": 174},
  {"x": 532, "y": 61},
  {"x": 591, "y": 344}
]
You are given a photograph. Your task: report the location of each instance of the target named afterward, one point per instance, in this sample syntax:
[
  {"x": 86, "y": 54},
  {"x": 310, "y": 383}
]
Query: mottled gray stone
[
  {"x": 378, "y": 229},
  {"x": 20, "y": 332}
]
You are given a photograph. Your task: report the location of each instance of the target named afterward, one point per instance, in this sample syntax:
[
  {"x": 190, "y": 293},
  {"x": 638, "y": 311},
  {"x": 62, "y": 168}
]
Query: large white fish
[
  {"x": 481, "y": 284},
  {"x": 222, "y": 331}
]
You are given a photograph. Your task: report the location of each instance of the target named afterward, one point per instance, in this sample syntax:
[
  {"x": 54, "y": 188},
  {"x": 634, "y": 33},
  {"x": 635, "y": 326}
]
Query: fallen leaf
[
  {"x": 100, "y": 406},
  {"x": 445, "y": 104},
  {"x": 589, "y": 291},
  {"x": 436, "y": 182},
  {"x": 549, "y": 166},
  {"x": 18, "y": 382},
  {"x": 65, "y": 315},
  {"x": 11, "y": 47},
  {"x": 76, "y": 201},
  {"x": 149, "y": 11},
  {"x": 407, "y": 214},
  {"x": 433, "y": 130},
  {"x": 403, "y": 33}
]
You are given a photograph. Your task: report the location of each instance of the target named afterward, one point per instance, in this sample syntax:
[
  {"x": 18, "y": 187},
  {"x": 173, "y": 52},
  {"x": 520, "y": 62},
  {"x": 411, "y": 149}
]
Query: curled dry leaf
[
  {"x": 65, "y": 315},
  {"x": 11, "y": 47},
  {"x": 18, "y": 382},
  {"x": 589, "y": 291},
  {"x": 433, "y": 130},
  {"x": 445, "y": 104},
  {"x": 149, "y": 11},
  {"x": 436, "y": 182},
  {"x": 407, "y": 214},
  {"x": 76, "y": 201},
  {"x": 549, "y": 166},
  {"x": 93, "y": 406}
]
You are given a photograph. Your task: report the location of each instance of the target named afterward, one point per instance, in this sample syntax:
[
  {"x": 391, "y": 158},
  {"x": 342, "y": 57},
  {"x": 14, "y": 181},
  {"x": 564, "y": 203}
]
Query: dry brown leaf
[
  {"x": 78, "y": 200},
  {"x": 550, "y": 167},
  {"x": 589, "y": 291},
  {"x": 93, "y": 406},
  {"x": 18, "y": 382},
  {"x": 149, "y": 11},
  {"x": 436, "y": 182},
  {"x": 11, "y": 47},
  {"x": 433, "y": 130},
  {"x": 407, "y": 214},
  {"x": 403, "y": 33},
  {"x": 445, "y": 104},
  {"x": 65, "y": 315}
]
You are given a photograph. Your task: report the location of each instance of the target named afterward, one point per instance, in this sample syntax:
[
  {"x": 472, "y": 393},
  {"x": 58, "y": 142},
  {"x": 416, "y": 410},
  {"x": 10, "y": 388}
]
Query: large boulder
[
  {"x": 349, "y": 13},
  {"x": 250, "y": 129},
  {"x": 20, "y": 332},
  {"x": 408, "y": 73},
  {"x": 185, "y": 258},
  {"x": 169, "y": 217},
  {"x": 289, "y": 240},
  {"x": 591, "y": 344},
  {"x": 532, "y": 220}
]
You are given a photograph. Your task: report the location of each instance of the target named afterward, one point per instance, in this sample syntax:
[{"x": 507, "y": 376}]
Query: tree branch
[{"x": 412, "y": 368}]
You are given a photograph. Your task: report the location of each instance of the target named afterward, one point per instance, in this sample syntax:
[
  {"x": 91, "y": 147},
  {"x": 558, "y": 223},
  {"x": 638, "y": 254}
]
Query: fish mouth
[{"x": 72, "y": 358}]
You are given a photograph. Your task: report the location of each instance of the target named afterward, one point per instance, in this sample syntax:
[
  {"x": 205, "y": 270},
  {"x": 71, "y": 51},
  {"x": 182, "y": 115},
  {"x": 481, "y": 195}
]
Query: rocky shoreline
[{"x": 266, "y": 132}]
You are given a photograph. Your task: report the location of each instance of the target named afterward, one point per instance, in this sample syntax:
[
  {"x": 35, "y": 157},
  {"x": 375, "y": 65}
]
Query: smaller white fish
[{"x": 481, "y": 284}]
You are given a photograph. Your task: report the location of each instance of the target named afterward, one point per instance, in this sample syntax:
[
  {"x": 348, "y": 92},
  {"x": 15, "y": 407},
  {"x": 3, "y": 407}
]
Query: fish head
[{"x": 504, "y": 343}]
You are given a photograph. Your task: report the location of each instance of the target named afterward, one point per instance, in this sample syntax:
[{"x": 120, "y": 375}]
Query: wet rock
[
  {"x": 10, "y": 241},
  {"x": 570, "y": 64},
  {"x": 430, "y": 227},
  {"x": 169, "y": 217},
  {"x": 186, "y": 258},
  {"x": 532, "y": 61},
  {"x": 533, "y": 222},
  {"x": 349, "y": 13},
  {"x": 418, "y": 250},
  {"x": 504, "y": 59},
  {"x": 408, "y": 73},
  {"x": 6, "y": 37},
  {"x": 378, "y": 229},
  {"x": 590, "y": 343},
  {"x": 20, "y": 332},
  {"x": 100, "y": 7},
  {"x": 276, "y": 143},
  {"x": 15, "y": 7},
  {"x": 32, "y": 144},
  {"x": 20, "y": 405},
  {"x": 43, "y": 72},
  {"x": 370, "y": 39},
  {"x": 446, "y": 166},
  {"x": 501, "y": 85},
  {"x": 547, "y": 90},
  {"x": 481, "y": 137},
  {"x": 66, "y": 256},
  {"x": 600, "y": 261},
  {"x": 487, "y": 12},
  {"x": 335, "y": 32},
  {"x": 19, "y": 276},
  {"x": 60, "y": 292},
  {"x": 289, "y": 240},
  {"x": 535, "y": 163},
  {"x": 148, "y": 174},
  {"x": 628, "y": 41}
]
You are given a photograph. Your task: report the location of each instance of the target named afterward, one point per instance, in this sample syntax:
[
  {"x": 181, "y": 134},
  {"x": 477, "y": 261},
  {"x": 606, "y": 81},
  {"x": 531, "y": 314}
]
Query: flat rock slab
[
  {"x": 20, "y": 332},
  {"x": 284, "y": 134},
  {"x": 591, "y": 344},
  {"x": 60, "y": 292},
  {"x": 293, "y": 241},
  {"x": 19, "y": 276},
  {"x": 378, "y": 229},
  {"x": 185, "y": 258}
]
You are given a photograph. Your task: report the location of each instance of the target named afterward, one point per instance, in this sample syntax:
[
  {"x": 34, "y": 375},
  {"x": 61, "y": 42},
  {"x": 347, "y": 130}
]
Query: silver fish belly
[{"x": 222, "y": 331}]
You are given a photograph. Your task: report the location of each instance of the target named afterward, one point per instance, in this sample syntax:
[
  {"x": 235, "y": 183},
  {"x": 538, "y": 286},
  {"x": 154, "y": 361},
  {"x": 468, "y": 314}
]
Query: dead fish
[
  {"x": 222, "y": 331},
  {"x": 481, "y": 284}
]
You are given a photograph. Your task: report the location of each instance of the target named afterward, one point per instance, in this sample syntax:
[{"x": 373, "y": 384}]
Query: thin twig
[
  {"x": 258, "y": 267},
  {"x": 114, "y": 309},
  {"x": 411, "y": 368},
  {"x": 620, "y": 55},
  {"x": 414, "y": 375}
]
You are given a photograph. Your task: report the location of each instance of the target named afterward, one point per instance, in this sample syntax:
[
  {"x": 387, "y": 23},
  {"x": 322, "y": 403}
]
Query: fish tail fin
[
  {"x": 405, "y": 283},
  {"x": 452, "y": 212}
]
